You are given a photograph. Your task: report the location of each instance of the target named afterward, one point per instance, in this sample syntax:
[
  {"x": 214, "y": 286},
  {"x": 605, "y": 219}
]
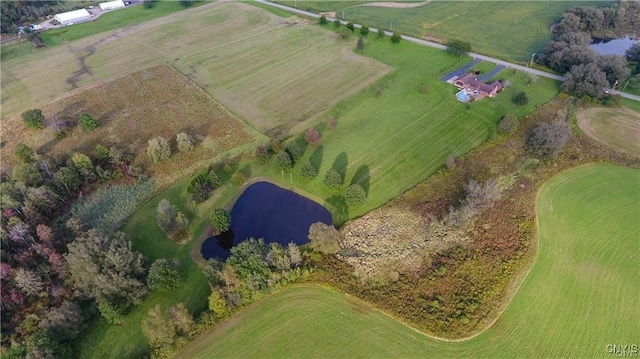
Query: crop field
[
  {"x": 271, "y": 71},
  {"x": 132, "y": 109},
  {"x": 282, "y": 77},
  {"x": 580, "y": 295},
  {"x": 483, "y": 23},
  {"x": 616, "y": 127}
]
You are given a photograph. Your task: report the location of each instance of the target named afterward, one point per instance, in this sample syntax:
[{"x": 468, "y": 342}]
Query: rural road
[{"x": 442, "y": 47}]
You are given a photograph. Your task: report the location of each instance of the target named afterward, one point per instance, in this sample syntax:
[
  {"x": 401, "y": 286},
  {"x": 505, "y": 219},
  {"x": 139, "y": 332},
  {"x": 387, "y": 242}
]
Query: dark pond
[
  {"x": 267, "y": 211},
  {"x": 613, "y": 47}
]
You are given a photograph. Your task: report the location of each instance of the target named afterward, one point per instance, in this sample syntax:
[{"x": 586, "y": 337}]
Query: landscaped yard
[{"x": 578, "y": 298}]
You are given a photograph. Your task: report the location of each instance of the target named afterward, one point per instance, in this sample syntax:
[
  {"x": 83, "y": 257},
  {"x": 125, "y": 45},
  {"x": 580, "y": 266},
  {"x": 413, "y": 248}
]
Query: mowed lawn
[
  {"x": 580, "y": 296},
  {"x": 391, "y": 142},
  {"x": 616, "y": 127},
  {"x": 510, "y": 30}
]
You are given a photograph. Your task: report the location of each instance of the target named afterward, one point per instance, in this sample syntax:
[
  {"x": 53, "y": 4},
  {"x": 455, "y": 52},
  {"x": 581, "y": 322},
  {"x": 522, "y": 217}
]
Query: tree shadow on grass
[
  {"x": 340, "y": 164},
  {"x": 340, "y": 210},
  {"x": 316, "y": 157},
  {"x": 362, "y": 177}
]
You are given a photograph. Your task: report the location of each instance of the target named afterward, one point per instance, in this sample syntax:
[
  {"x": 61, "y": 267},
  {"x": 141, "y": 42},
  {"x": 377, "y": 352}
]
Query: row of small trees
[
  {"x": 349, "y": 28},
  {"x": 34, "y": 119},
  {"x": 159, "y": 149}
]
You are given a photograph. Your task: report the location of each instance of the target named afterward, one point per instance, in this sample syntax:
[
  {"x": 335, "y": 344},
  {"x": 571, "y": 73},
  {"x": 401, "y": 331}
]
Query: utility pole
[{"x": 531, "y": 63}]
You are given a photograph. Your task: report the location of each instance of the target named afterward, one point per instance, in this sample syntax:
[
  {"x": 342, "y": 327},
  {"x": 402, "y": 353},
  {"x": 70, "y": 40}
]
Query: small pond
[
  {"x": 267, "y": 211},
  {"x": 613, "y": 47}
]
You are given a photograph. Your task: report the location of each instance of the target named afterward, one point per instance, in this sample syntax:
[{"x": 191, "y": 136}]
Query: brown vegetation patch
[
  {"x": 392, "y": 240},
  {"x": 131, "y": 110},
  {"x": 461, "y": 291}
]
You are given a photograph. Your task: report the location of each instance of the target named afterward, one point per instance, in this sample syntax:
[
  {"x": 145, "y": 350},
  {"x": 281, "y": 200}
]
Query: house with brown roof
[{"x": 476, "y": 89}]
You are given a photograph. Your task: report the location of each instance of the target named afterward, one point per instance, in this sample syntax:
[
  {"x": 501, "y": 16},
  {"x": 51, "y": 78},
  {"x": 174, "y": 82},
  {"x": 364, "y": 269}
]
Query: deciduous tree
[
  {"x": 104, "y": 267},
  {"x": 325, "y": 238},
  {"x": 332, "y": 180},
  {"x": 220, "y": 220},
  {"x": 283, "y": 161},
  {"x": 158, "y": 149},
  {"x": 312, "y": 136},
  {"x": 355, "y": 195},
  {"x": 458, "y": 47},
  {"x": 88, "y": 122},
  {"x": 33, "y": 119},
  {"x": 185, "y": 142},
  {"x": 163, "y": 275},
  {"x": 23, "y": 153},
  {"x": 548, "y": 138}
]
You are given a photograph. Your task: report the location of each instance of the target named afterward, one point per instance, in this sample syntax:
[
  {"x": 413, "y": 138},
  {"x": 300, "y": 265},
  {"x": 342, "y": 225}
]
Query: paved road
[{"x": 443, "y": 47}]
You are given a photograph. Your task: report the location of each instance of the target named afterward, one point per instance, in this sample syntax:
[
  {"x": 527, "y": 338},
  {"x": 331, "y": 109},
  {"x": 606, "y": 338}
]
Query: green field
[
  {"x": 485, "y": 24},
  {"x": 616, "y": 127},
  {"x": 580, "y": 296}
]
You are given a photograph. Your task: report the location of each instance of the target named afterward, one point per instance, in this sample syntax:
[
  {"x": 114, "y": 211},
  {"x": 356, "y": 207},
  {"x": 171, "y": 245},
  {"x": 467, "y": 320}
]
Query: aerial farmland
[{"x": 199, "y": 179}]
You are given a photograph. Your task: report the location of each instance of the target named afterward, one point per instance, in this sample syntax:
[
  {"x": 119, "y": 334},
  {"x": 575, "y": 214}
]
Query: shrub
[
  {"x": 262, "y": 153},
  {"x": 547, "y": 139},
  {"x": 520, "y": 99},
  {"x": 88, "y": 122},
  {"x": 396, "y": 37},
  {"x": 275, "y": 145},
  {"x": 166, "y": 216},
  {"x": 336, "y": 23},
  {"x": 238, "y": 178},
  {"x": 148, "y": 4},
  {"x": 381, "y": 34},
  {"x": 308, "y": 171},
  {"x": 355, "y": 195},
  {"x": 322, "y": 20},
  {"x": 349, "y": 26},
  {"x": 163, "y": 275},
  {"x": 158, "y": 149},
  {"x": 312, "y": 136},
  {"x": 220, "y": 220},
  {"x": 507, "y": 124},
  {"x": 364, "y": 30},
  {"x": 294, "y": 151},
  {"x": 185, "y": 142},
  {"x": 33, "y": 119},
  {"x": 344, "y": 33},
  {"x": 332, "y": 180},
  {"x": 23, "y": 153},
  {"x": 283, "y": 161}
]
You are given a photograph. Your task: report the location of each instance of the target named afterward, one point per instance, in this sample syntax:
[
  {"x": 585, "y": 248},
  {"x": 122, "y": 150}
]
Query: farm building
[
  {"x": 73, "y": 17},
  {"x": 111, "y": 5}
]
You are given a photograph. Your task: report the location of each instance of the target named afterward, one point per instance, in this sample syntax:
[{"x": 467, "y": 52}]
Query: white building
[
  {"x": 73, "y": 17},
  {"x": 111, "y": 5}
]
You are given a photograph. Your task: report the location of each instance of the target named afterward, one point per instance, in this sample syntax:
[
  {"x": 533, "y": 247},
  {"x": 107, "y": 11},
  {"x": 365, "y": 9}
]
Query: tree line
[{"x": 589, "y": 74}]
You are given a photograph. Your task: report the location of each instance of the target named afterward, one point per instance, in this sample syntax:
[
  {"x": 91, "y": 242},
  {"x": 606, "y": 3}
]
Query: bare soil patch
[
  {"x": 132, "y": 109},
  {"x": 618, "y": 128}
]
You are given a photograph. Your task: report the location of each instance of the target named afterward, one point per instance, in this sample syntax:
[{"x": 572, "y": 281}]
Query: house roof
[
  {"x": 72, "y": 16},
  {"x": 472, "y": 81}
]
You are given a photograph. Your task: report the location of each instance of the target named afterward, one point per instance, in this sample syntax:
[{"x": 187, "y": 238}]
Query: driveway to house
[{"x": 442, "y": 47}]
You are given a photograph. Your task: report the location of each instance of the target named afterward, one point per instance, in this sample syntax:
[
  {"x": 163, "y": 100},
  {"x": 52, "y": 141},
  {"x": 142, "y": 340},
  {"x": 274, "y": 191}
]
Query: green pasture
[
  {"x": 510, "y": 30},
  {"x": 616, "y": 127},
  {"x": 580, "y": 296}
]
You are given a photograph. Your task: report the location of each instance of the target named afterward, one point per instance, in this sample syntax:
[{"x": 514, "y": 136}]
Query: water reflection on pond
[
  {"x": 613, "y": 47},
  {"x": 267, "y": 211}
]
